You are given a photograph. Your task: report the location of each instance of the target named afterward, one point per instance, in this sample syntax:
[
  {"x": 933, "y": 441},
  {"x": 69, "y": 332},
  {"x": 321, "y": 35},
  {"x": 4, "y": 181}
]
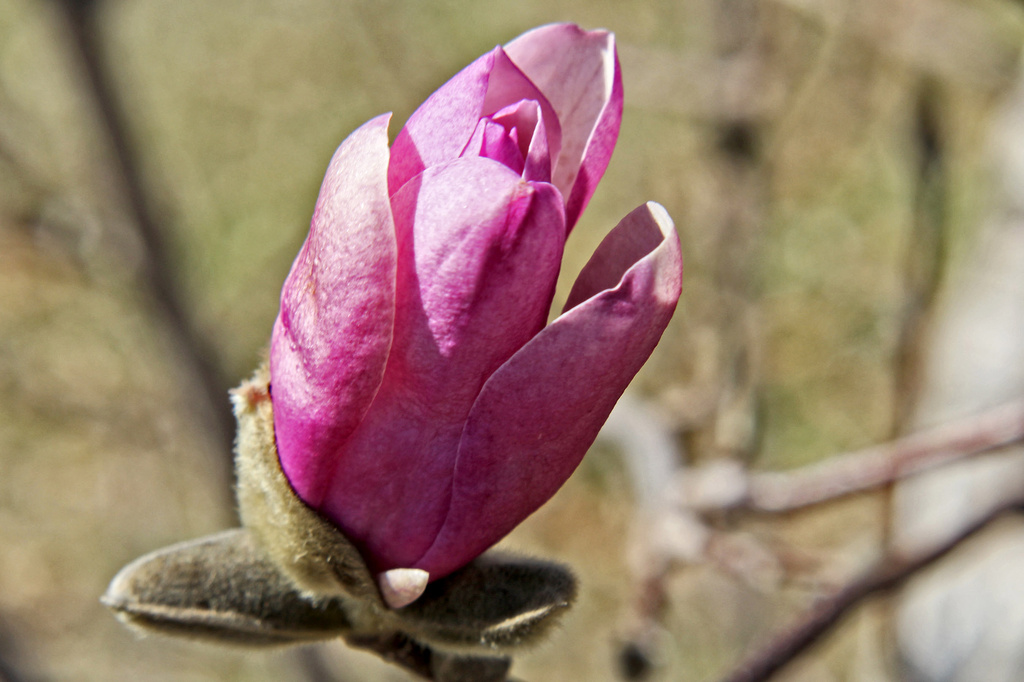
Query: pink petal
[
  {"x": 491, "y": 141},
  {"x": 538, "y": 414},
  {"x": 509, "y": 85},
  {"x": 402, "y": 586},
  {"x": 526, "y": 117},
  {"x": 440, "y": 128},
  {"x": 579, "y": 73},
  {"x": 636, "y": 236},
  {"x": 331, "y": 339},
  {"x": 438, "y": 131},
  {"x": 478, "y": 256},
  {"x": 515, "y": 136}
]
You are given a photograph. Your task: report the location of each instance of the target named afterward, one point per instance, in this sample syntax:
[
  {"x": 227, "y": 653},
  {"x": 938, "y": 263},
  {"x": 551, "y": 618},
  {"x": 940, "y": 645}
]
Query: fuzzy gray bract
[{"x": 289, "y": 577}]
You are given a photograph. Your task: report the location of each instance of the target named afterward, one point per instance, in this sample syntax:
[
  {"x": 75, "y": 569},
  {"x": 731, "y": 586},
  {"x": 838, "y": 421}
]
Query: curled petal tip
[
  {"x": 402, "y": 586},
  {"x": 660, "y": 214}
]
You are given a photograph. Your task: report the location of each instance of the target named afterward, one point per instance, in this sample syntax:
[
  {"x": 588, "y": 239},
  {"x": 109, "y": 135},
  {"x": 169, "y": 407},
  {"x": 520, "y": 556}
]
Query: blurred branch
[
  {"x": 926, "y": 254},
  {"x": 870, "y": 468},
  {"x": 156, "y": 270},
  {"x": 889, "y": 573},
  {"x": 719, "y": 486},
  {"x": 676, "y": 530},
  {"x": 157, "y": 266},
  {"x": 9, "y": 674}
]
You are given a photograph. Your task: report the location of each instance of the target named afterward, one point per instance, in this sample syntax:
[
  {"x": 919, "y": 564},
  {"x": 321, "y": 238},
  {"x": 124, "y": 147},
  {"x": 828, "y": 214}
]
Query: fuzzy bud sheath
[{"x": 289, "y": 577}]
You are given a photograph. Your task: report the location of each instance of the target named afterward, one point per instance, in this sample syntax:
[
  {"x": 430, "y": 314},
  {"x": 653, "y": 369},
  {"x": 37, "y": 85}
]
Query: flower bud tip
[{"x": 402, "y": 586}]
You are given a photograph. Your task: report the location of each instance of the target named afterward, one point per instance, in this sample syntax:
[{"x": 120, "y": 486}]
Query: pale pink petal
[
  {"x": 331, "y": 339},
  {"x": 478, "y": 256},
  {"x": 540, "y": 412},
  {"x": 579, "y": 73}
]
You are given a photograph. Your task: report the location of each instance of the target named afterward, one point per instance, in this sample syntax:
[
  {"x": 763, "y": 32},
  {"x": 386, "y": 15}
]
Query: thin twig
[
  {"x": 870, "y": 468},
  {"x": 890, "y": 573},
  {"x": 157, "y": 266}
]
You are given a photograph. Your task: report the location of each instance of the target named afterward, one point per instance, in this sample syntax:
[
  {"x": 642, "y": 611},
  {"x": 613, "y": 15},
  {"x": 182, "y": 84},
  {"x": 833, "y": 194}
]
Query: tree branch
[
  {"x": 720, "y": 486},
  {"x": 873, "y": 467},
  {"x": 889, "y": 573},
  {"x": 10, "y": 670},
  {"x": 157, "y": 266}
]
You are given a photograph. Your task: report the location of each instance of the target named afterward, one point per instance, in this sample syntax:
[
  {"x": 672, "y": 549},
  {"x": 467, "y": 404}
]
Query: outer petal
[
  {"x": 331, "y": 339},
  {"x": 630, "y": 241},
  {"x": 441, "y": 127},
  {"x": 478, "y": 257},
  {"x": 579, "y": 73},
  {"x": 538, "y": 414},
  {"x": 479, "y": 252}
]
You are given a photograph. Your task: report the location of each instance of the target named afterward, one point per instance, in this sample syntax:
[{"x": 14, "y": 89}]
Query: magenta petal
[
  {"x": 528, "y": 120},
  {"x": 331, "y": 339},
  {"x": 479, "y": 252},
  {"x": 579, "y": 73},
  {"x": 540, "y": 412},
  {"x": 538, "y": 155},
  {"x": 491, "y": 140},
  {"x": 440, "y": 128},
  {"x": 509, "y": 85}
]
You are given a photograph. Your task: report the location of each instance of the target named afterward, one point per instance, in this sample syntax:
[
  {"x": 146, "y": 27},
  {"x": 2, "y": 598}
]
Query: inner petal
[
  {"x": 508, "y": 87},
  {"x": 493, "y": 140},
  {"x": 519, "y": 119},
  {"x": 527, "y": 117},
  {"x": 516, "y": 137}
]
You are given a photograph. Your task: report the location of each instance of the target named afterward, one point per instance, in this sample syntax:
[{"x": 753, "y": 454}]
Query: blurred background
[{"x": 848, "y": 183}]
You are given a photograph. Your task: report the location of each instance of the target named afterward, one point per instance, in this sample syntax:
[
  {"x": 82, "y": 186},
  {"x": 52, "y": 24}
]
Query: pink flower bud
[{"x": 421, "y": 402}]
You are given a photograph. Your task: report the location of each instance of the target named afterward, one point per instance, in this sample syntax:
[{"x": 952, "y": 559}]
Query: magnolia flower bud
[
  {"x": 417, "y": 405},
  {"x": 421, "y": 402}
]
